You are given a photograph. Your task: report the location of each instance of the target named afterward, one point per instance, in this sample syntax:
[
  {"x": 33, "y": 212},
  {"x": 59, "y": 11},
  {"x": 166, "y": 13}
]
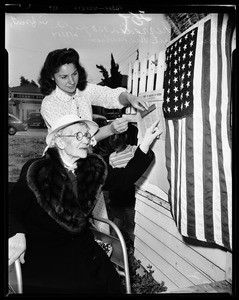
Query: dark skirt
[{"x": 70, "y": 265}]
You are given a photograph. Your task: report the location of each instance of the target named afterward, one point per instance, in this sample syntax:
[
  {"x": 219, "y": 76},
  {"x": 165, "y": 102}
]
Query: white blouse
[{"x": 58, "y": 103}]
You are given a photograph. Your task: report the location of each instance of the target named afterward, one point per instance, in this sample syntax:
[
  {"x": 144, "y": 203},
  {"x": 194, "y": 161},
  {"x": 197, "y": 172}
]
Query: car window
[{"x": 35, "y": 115}]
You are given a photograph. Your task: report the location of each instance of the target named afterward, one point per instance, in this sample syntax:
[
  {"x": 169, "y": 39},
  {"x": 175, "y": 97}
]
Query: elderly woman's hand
[
  {"x": 119, "y": 125},
  {"x": 151, "y": 133},
  {"x": 16, "y": 248}
]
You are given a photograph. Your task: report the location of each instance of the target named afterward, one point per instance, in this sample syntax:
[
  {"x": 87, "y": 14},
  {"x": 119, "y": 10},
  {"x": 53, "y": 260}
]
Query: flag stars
[
  {"x": 186, "y": 104},
  {"x": 180, "y": 61}
]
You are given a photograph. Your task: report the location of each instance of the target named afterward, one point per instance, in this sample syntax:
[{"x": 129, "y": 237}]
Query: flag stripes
[
  {"x": 198, "y": 153},
  {"x": 206, "y": 126},
  {"x": 189, "y": 198}
]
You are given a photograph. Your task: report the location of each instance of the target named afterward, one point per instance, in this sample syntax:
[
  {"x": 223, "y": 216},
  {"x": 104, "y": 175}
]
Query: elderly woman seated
[{"x": 50, "y": 207}]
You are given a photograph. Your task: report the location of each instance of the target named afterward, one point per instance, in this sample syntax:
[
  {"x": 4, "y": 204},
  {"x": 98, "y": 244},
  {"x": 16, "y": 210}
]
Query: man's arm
[{"x": 123, "y": 178}]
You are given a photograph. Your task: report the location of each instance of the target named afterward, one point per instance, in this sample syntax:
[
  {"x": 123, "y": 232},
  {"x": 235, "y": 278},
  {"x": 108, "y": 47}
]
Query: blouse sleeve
[
  {"x": 104, "y": 96},
  {"x": 49, "y": 112}
]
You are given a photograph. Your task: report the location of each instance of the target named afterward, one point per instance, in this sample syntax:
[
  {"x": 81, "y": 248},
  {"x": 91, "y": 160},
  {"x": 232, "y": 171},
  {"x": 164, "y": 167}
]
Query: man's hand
[{"x": 151, "y": 133}]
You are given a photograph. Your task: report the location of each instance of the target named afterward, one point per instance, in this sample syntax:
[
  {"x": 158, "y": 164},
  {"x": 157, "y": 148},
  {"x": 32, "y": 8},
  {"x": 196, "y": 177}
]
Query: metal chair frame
[
  {"x": 119, "y": 254},
  {"x": 15, "y": 277},
  {"x": 119, "y": 257}
]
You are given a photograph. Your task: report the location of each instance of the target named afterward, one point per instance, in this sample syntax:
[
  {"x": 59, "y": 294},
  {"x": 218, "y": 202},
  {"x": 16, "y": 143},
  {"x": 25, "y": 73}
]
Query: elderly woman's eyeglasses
[{"x": 79, "y": 135}]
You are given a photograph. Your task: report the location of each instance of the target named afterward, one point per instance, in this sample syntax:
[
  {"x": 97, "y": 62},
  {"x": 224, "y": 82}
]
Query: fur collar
[{"x": 53, "y": 189}]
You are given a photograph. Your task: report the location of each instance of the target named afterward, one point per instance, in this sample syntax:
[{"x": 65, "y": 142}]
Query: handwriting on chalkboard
[
  {"x": 31, "y": 21},
  {"x": 130, "y": 27}
]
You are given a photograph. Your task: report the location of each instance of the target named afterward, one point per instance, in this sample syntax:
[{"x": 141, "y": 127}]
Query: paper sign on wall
[{"x": 145, "y": 121}]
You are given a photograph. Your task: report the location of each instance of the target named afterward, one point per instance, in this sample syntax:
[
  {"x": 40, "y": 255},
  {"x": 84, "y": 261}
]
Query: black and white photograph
[{"x": 121, "y": 156}]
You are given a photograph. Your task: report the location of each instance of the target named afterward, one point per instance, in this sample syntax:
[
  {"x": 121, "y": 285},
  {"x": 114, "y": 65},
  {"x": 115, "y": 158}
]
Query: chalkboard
[{"x": 31, "y": 36}]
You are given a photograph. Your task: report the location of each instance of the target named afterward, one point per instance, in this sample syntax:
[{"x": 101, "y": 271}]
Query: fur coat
[{"x": 53, "y": 188}]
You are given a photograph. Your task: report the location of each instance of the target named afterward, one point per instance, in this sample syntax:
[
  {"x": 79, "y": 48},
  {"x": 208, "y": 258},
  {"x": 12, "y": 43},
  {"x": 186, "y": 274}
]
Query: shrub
[{"x": 145, "y": 284}]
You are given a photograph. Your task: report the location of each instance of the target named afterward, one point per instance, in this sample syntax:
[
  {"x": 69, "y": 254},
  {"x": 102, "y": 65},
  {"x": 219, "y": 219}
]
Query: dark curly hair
[{"x": 55, "y": 59}]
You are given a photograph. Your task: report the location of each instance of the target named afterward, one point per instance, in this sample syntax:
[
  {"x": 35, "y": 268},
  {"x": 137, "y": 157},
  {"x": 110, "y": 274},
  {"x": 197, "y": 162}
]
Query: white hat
[{"x": 67, "y": 120}]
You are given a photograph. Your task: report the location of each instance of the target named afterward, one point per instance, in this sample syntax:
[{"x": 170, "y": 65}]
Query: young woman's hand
[
  {"x": 151, "y": 134},
  {"x": 137, "y": 102},
  {"x": 16, "y": 248},
  {"x": 119, "y": 125}
]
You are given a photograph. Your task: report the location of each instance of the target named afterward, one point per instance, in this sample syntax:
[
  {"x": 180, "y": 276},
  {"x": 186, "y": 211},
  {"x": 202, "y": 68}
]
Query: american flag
[
  {"x": 180, "y": 57},
  {"x": 197, "y": 88}
]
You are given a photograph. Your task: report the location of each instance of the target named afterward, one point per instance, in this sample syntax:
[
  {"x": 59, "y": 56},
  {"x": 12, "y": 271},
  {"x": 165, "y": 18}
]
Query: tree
[
  {"x": 116, "y": 76},
  {"x": 115, "y": 79},
  {"x": 24, "y": 81},
  {"x": 33, "y": 83},
  {"x": 105, "y": 74}
]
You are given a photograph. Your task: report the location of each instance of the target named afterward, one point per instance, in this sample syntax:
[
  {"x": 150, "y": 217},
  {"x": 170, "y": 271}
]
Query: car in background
[
  {"x": 14, "y": 125},
  {"x": 36, "y": 120}
]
